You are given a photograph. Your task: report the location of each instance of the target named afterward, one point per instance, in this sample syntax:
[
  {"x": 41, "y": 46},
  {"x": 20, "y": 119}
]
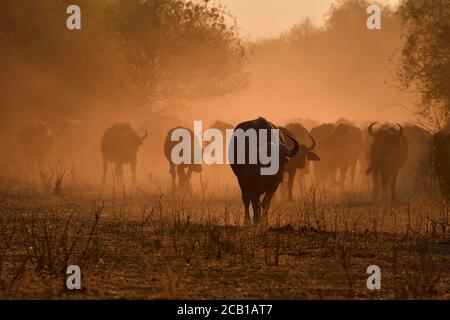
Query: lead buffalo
[
  {"x": 301, "y": 161},
  {"x": 251, "y": 182},
  {"x": 183, "y": 171},
  {"x": 120, "y": 144},
  {"x": 388, "y": 154}
]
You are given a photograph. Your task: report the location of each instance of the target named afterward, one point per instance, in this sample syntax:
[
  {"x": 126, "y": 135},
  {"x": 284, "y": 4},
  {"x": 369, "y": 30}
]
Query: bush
[{"x": 441, "y": 160}]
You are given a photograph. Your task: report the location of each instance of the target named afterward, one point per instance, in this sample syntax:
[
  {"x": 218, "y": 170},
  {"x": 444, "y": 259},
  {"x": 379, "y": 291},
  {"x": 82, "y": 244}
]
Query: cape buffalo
[
  {"x": 71, "y": 143},
  {"x": 252, "y": 183},
  {"x": 120, "y": 145},
  {"x": 304, "y": 155},
  {"x": 220, "y": 174},
  {"x": 37, "y": 144},
  {"x": 183, "y": 171},
  {"x": 346, "y": 140},
  {"x": 324, "y": 170},
  {"x": 388, "y": 154},
  {"x": 364, "y": 157},
  {"x": 157, "y": 125},
  {"x": 222, "y": 127},
  {"x": 416, "y": 172}
]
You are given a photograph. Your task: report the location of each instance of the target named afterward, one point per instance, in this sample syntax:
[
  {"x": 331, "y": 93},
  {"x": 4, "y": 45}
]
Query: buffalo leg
[
  {"x": 352, "y": 175},
  {"x": 266, "y": 204},
  {"x": 173, "y": 175},
  {"x": 317, "y": 174},
  {"x": 246, "y": 201},
  {"x": 385, "y": 185},
  {"x": 118, "y": 173},
  {"x": 133, "y": 164},
  {"x": 189, "y": 171},
  {"x": 343, "y": 175},
  {"x": 321, "y": 176},
  {"x": 182, "y": 179},
  {"x": 291, "y": 176},
  {"x": 376, "y": 185},
  {"x": 393, "y": 187},
  {"x": 105, "y": 169},
  {"x": 256, "y": 205},
  {"x": 301, "y": 178},
  {"x": 327, "y": 180}
]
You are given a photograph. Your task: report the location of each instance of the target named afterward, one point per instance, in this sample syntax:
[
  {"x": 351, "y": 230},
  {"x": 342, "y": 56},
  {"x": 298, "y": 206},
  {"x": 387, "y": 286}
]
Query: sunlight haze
[{"x": 269, "y": 18}]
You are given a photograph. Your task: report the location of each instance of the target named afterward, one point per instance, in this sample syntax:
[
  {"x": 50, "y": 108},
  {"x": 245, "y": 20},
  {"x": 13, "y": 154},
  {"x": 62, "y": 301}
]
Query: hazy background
[
  {"x": 324, "y": 68},
  {"x": 158, "y": 64},
  {"x": 269, "y": 18}
]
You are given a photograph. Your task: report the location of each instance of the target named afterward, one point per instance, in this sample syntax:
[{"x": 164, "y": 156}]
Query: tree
[
  {"x": 425, "y": 64},
  {"x": 340, "y": 69},
  {"x": 178, "y": 50},
  {"x": 129, "y": 55},
  {"x": 426, "y": 68}
]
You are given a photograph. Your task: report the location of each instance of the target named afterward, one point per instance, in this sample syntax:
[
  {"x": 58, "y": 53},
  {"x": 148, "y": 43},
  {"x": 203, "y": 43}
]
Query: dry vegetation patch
[{"x": 156, "y": 246}]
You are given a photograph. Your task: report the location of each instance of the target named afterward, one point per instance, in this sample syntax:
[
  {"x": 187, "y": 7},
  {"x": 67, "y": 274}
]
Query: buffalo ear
[{"x": 311, "y": 156}]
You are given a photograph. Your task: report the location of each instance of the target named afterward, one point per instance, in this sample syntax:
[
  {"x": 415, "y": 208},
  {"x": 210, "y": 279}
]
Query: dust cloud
[{"x": 117, "y": 69}]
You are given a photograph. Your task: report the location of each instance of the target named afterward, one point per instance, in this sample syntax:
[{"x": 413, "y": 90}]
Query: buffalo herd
[
  {"x": 120, "y": 145},
  {"x": 390, "y": 157},
  {"x": 184, "y": 170}
]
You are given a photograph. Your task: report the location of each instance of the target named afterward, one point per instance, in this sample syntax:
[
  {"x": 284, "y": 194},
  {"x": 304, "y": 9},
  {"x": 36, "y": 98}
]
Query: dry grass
[{"x": 141, "y": 243}]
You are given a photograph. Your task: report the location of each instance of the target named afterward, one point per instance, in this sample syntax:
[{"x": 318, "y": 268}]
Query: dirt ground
[{"x": 147, "y": 245}]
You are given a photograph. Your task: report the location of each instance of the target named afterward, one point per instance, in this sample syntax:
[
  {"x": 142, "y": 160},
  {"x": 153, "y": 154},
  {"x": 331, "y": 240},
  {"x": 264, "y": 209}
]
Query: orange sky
[{"x": 268, "y": 18}]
